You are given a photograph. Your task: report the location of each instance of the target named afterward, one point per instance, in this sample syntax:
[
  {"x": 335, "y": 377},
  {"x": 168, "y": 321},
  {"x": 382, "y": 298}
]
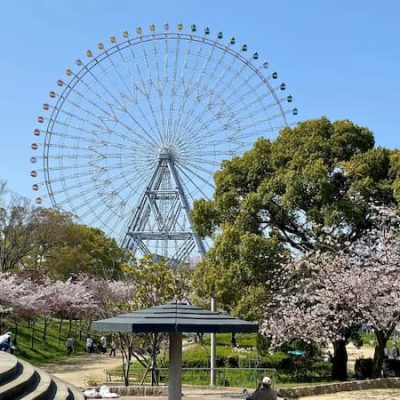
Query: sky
[{"x": 339, "y": 59}]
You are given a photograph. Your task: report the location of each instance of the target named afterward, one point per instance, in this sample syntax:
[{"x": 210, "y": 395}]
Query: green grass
[{"x": 49, "y": 351}]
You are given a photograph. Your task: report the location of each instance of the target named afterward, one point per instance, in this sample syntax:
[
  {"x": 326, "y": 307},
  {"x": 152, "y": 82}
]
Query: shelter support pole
[
  {"x": 175, "y": 366},
  {"x": 213, "y": 355}
]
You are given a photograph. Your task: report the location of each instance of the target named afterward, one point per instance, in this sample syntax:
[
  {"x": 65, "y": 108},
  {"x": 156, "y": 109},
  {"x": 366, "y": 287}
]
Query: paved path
[
  {"x": 81, "y": 370},
  {"x": 376, "y": 394},
  {"x": 384, "y": 394}
]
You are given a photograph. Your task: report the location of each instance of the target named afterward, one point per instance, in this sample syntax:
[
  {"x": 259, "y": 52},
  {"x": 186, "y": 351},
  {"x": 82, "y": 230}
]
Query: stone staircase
[{"x": 21, "y": 380}]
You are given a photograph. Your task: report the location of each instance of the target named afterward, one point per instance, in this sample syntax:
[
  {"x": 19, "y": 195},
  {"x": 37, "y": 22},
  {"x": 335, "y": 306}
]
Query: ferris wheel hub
[{"x": 166, "y": 153}]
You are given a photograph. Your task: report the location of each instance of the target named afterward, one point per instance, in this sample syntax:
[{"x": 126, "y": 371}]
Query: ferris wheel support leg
[{"x": 185, "y": 204}]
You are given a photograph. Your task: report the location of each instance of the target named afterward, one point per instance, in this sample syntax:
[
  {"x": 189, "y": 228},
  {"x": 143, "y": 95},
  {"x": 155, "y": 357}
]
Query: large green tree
[
  {"x": 288, "y": 196},
  {"x": 83, "y": 250}
]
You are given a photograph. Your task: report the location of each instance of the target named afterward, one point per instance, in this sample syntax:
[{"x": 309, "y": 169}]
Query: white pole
[
  {"x": 213, "y": 354},
  {"x": 175, "y": 367}
]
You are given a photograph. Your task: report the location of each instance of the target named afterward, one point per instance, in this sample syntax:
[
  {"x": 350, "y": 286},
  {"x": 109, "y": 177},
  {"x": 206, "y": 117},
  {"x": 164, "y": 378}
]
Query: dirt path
[{"x": 81, "y": 370}]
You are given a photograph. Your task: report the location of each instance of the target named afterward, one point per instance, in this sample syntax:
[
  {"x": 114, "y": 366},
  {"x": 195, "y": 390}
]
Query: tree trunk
[
  {"x": 59, "y": 331},
  {"x": 339, "y": 362},
  {"x": 126, "y": 365},
  {"x": 381, "y": 340},
  {"x": 233, "y": 340},
  {"x": 32, "y": 333},
  {"x": 201, "y": 338},
  {"x": 80, "y": 329},
  {"x": 16, "y": 334},
  {"x": 47, "y": 322},
  {"x": 69, "y": 326},
  {"x": 154, "y": 372}
]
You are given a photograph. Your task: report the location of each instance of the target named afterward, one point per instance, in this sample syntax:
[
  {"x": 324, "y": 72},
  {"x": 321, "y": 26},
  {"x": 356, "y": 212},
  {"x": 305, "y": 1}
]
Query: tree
[
  {"x": 291, "y": 187},
  {"x": 156, "y": 283},
  {"x": 314, "y": 182},
  {"x": 237, "y": 271},
  {"x": 49, "y": 229},
  {"x": 16, "y": 238},
  {"x": 328, "y": 296},
  {"x": 83, "y": 250}
]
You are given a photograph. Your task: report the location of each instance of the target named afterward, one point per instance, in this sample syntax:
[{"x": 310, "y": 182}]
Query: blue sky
[{"x": 338, "y": 58}]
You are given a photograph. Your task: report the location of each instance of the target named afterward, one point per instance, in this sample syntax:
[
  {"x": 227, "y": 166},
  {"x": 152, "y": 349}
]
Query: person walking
[
  {"x": 89, "y": 345},
  {"x": 70, "y": 346},
  {"x": 103, "y": 344},
  {"x": 395, "y": 351},
  {"x": 113, "y": 347},
  {"x": 265, "y": 392}
]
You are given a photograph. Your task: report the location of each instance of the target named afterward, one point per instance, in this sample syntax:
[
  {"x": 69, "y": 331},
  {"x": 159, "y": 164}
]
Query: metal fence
[{"x": 246, "y": 377}]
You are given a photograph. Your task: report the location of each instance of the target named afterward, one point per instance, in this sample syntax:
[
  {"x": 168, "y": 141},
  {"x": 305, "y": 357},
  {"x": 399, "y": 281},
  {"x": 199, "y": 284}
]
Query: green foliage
[
  {"x": 287, "y": 197},
  {"x": 236, "y": 271},
  {"x": 84, "y": 250},
  {"x": 311, "y": 173},
  {"x": 157, "y": 283},
  {"x": 206, "y": 217}
]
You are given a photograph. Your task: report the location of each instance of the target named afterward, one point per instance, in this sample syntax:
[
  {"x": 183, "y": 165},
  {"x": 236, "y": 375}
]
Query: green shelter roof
[{"x": 174, "y": 317}]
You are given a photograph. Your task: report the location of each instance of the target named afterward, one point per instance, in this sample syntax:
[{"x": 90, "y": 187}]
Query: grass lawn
[{"x": 48, "y": 351}]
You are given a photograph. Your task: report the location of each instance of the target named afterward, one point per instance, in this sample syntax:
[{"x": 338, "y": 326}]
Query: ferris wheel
[{"x": 135, "y": 133}]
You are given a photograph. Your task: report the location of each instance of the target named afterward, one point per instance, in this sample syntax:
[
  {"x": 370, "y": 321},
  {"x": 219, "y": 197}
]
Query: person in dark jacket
[{"x": 265, "y": 392}]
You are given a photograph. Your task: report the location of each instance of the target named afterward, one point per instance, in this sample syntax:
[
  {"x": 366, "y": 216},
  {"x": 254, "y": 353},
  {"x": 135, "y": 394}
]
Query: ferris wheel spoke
[
  {"x": 91, "y": 132},
  {"x": 198, "y": 81},
  {"x": 131, "y": 96},
  {"x": 230, "y": 111},
  {"x": 118, "y": 105},
  {"x": 150, "y": 103},
  {"x": 192, "y": 182},
  {"x": 104, "y": 127},
  {"x": 195, "y": 164},
  {"x": 146, "y": 91},
  {"x": 191, "y": 79},
  {"x": 185, "y": 88},
  {"x": 173, "y": 92},
  {"x": 216, "y": 83},
  {"x": 159, "y": 85},
  {"x": 190, "y": 170},
  {"x": 218, "y": 93},
  {"x": 231, "y": 94}
]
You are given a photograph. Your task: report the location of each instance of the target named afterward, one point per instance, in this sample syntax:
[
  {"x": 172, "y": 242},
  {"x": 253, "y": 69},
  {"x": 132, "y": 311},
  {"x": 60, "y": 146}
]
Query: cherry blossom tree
[{"x": 327, "y": 296}]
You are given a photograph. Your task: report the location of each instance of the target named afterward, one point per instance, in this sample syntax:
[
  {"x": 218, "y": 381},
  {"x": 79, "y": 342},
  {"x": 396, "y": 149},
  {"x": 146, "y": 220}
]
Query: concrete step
[
  {"x": 22, "y": 382},
  {"x": 43, "y": 389},
  {"x": 19, "y": 380},
  {"x": 75, "y": 393},
  {"x": 62, "y": 392},
  {"x": 8, "y": 366}
]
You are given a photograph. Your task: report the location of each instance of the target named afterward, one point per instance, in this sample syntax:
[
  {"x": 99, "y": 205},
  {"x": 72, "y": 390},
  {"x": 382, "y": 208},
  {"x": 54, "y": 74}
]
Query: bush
[
  {"x": 363, "y": 368},
  {"x": 278, "y": 360}
]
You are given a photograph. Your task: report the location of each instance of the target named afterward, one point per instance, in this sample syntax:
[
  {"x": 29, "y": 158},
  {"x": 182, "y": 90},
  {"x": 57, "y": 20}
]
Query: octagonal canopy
[{"x": 175, "y": 317}]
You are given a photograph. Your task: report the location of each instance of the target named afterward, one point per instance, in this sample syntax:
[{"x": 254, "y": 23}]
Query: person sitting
[{"x": 265, "y": 392}]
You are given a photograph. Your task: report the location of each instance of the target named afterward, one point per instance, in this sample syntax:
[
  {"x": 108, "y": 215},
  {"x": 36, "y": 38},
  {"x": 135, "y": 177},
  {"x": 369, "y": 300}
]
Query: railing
[{"x": 246, "y": 377}]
